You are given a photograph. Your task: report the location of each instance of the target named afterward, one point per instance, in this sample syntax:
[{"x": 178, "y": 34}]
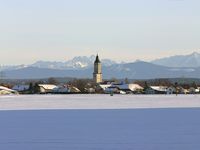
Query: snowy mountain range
[
  {"x": 82, "y": 67},
  {"x": 190, "y": 60},
  {"x": 136, "y": 70},
  {"x": 81, "y": 62},
  {"x": 77, "y": 63}
]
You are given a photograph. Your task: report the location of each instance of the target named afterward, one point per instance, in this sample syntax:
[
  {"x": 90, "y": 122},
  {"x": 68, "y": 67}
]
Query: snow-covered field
[
  {"x": 34, "y": 102},
  {"x": 99, "y": 122}
]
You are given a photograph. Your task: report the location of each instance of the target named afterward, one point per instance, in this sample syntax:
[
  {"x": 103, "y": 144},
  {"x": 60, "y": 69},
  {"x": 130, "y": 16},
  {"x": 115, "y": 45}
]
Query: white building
[
  {"x": 7, "y": 91},
  {"x": 64, "y": 89},
  {"x": 112, "y": 89},
  {"x": 116, "y": 88},
  {"x": 46, "y": 88},
  {"x": 106, "y": 84},
  {"x": 130, "y": 87},
  {"x": 61, "y": 89},
  {"x": 160, "y": 90}
]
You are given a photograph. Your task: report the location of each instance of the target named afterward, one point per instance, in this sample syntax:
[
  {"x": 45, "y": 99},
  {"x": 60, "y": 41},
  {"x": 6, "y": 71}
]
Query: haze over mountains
[{"x": 82, "y": 67}]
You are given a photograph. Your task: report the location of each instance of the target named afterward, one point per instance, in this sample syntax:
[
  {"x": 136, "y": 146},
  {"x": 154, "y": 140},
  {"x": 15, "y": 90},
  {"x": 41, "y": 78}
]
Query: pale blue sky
[{"x": 127, "y": 30}]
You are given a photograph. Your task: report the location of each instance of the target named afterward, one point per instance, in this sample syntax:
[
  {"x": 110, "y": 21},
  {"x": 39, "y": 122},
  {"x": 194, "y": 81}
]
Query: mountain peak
[
  {"x": 78, "y": 62},
  {"x": 190, "y": 60},
  {"x": 195, "y": 54}
]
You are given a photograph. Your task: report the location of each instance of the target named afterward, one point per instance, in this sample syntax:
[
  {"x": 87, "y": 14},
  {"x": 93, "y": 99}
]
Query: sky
[{"x": 122, "y": 30}]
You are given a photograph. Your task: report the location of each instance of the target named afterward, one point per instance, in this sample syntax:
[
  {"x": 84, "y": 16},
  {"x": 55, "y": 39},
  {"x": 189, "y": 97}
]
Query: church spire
[
  {"x": 97, "y": 59},
  {"x": 97, "y": 75}
]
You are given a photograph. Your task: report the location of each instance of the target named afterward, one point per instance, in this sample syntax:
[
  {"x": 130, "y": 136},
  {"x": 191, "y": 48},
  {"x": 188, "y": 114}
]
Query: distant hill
[
  {"x": 136, "y": 70},
  {"x": 145, "y": 70},
  {"x": 191, "y": 60},
  {"x": 37, "y": 73}
]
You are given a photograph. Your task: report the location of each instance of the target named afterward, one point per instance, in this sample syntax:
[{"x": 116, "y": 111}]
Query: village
[{"x": 99, "y": 86}]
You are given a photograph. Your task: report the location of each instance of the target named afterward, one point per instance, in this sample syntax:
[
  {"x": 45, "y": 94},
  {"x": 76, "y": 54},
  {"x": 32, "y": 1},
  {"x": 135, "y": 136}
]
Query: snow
[
  {"x": 32, "y": 102},
  {"x": 100, "y": 122},
  {"x": 140, "y": 129}
]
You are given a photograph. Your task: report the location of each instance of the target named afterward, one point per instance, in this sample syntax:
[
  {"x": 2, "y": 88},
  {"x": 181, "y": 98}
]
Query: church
[{"x": 97, "y": 75}]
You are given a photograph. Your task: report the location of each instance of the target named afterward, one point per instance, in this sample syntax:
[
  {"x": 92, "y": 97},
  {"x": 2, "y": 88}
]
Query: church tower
[{"x": 97, "y": 75}]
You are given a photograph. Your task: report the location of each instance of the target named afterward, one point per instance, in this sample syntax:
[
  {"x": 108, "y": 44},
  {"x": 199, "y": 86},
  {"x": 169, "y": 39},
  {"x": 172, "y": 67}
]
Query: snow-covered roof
[
  {"x": 159, "y": 88},
  {"x": 104, "y": 86},
  {"x": 48, "y": 86},
  {"x": 131, "y": 87},
  {"x": 74, "y": 89},
  {"x": 4, "y": 92},
  {"x": 61, "y": 89},
  {"x": 6, "y": 89}
]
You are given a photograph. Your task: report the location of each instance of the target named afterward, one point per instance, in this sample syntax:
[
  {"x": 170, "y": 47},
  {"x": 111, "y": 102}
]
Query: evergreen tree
[
  {"x": 36, "y": 88},
  {"x": 31, "y": 90},
  {"x": 176, "y": 87}
]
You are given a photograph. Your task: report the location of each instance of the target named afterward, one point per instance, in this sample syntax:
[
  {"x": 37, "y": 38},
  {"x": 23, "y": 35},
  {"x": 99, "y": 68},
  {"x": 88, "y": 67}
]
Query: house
[
  {"x": 117, "y": 87},
  {"x": 198, "y": 90},
  {"x": 64, "y": 89},
  {"x": 46, "y": 88},
  {"x": 106, "y": 84},
  {"x": 159, "y": 90},
  {"x": 73, "y": 89},
  {"x": 112, "y": 89},
  {"x": 181, "y": 90},
  {"x": 61, "y": 89},
  {"x": 21, "y": 88},
  {"x": 149, "y": 90},
  {"x": 171, "y": 90},
  {"x": 7, "y": 91},
  {"x": 130, "y": 88},
  {"x": 193, "y": 90}
]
